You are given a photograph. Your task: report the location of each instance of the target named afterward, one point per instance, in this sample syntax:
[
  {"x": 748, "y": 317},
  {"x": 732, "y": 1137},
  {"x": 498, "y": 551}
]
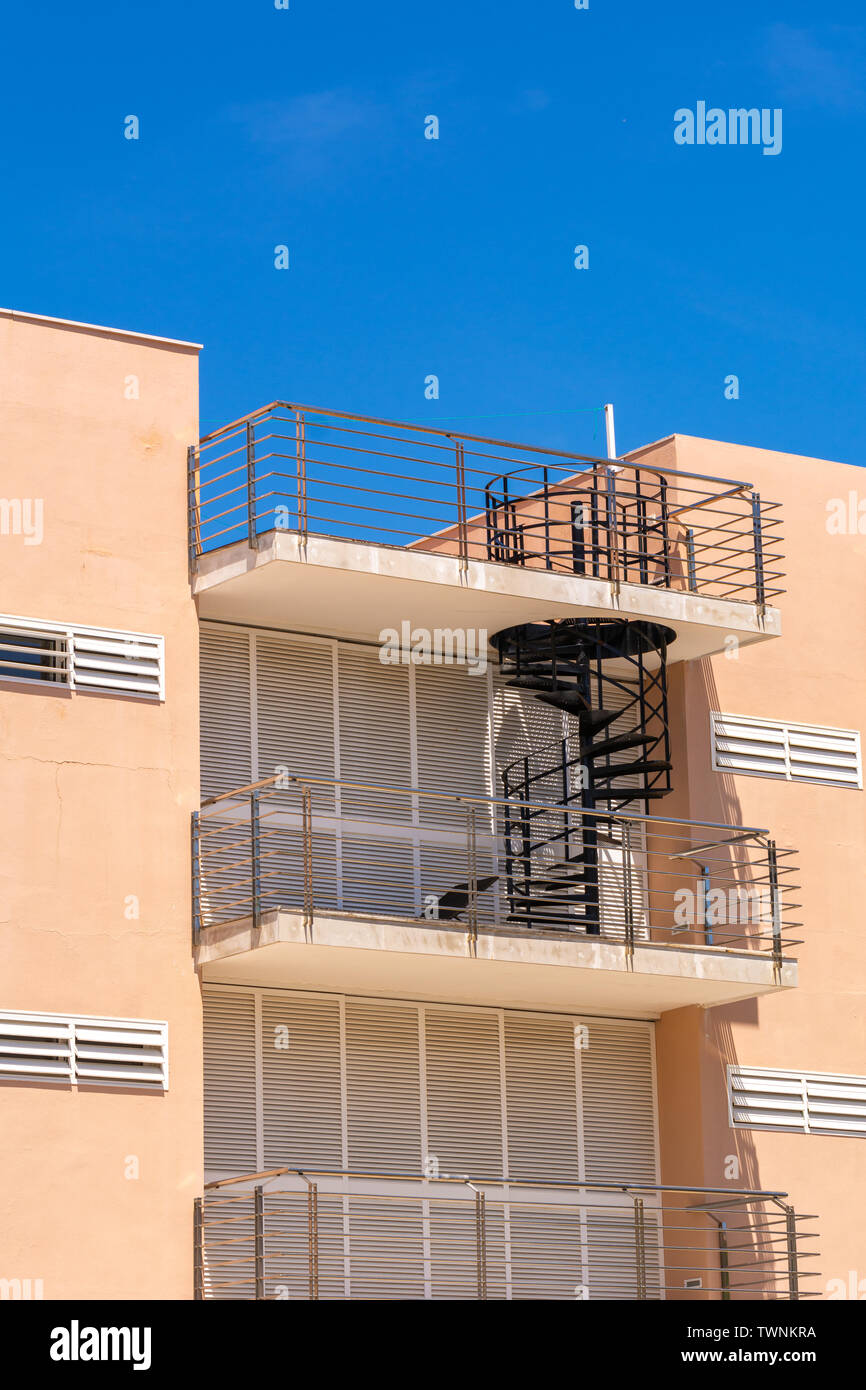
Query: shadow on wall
[{"x": 721, "y": 803}]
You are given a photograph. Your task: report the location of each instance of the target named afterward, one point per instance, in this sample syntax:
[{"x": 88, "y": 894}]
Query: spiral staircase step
[
  {"x": 618, "y": 742},
  {"x": 630, "y": 770}
]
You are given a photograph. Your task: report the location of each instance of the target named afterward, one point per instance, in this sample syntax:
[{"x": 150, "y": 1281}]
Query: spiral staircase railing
[{"x": 600, "y": 674}]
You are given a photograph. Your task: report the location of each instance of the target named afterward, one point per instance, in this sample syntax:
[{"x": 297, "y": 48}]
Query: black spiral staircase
[{"x": 600, "y": 673}]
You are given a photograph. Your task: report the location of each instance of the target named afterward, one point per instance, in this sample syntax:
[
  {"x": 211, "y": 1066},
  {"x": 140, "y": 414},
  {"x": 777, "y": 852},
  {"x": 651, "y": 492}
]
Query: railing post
[
  {"x": 193, "y": 512},
  {"x": 472, "y": 881},
  {"x": 757, "y": 535},
  {"x": 641, "y": 529},
  {"x": 690, "y": 560},
  {"x": 775, "y": 906},
  {"x": 640, "y": 1248},
  {"x": 664, "y": 523},
  {"x": 251, "y": 485},
  {"x": 793, "y": 1268},
  {"x": 301, "y": 455},
  {"x": 195, "y": 853},
  {"x": 724, "y": 1262},
  {"x": 259, "y": 1224},
  {"x": 481, "y": 1244},
  {"x": 612, "y": 531},
  {"x": 546, "y": 488},
  {"x": 705, "y": 904},
  {"x": 198, "y": 1250},
  {"x": 313, "y": 1238},
  {"x": 628, "y": 902},
  {"x": 307, "y": 836},
  {"x": 255, "y": 845},
  {"x": 462, "y": 533}
]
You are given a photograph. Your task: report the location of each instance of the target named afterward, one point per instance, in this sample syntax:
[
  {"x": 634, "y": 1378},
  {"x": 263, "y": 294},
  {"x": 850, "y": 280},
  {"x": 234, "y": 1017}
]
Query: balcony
[
  {"x": 327, "y": 522},
  {"x": 292, "y": 1234},
  {"x": 323, "y": 884}
]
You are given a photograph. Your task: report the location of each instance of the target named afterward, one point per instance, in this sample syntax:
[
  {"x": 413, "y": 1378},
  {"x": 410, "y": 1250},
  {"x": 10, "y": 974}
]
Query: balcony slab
[
  {"x": 396, "y": 957},
  {"x": 351, "y": 588}
]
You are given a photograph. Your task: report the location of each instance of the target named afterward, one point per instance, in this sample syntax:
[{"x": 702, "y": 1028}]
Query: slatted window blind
[
  {"x": 82, "y": 658},
  {"x": 231, "y": 1046},
  {"x": 295, "y": 708},
  {"x": 793, "y": 752},
  {"x": 452, "y": 715},
  {"x": 77, "y": 1050},
  {"x": 384, "y": 1086},
  {"x": 808, "y": 1102},
  {"x": 323, "y": 708},
  {"x": 225, "y": 697},
  {"x": 331, "y": 709}
]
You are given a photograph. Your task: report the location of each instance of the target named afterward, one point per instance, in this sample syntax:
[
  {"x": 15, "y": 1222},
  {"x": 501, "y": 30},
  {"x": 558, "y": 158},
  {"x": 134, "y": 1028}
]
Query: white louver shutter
[
  {"x": 523, "y": 725},
  {"x": 824, "y": 755},
  {"x": 283, "y": 863},
  {"x": 295, "y": 685},
  {"x": 618, "y": 1106},
  {"x": 611, "y": 876},
  {"x": 34, "y": 1048},
  {"x": 749, "y": 745},
  {"x": 610, "y": 1233},
  {"x": 444, "y": 866},
  {"x": 310, "y": 1071},
  {"x": 83, "y": 1051},
  {"x": 225, "y": 710},
  {"x": 301, "y": 1078},
  {"x": 546, "y": 1248},
  {"x": 383, "y": 1087},
  {"x": 794, "y": 752},
  {"x": 378, "y": 871},
  {"x": 101, "y": 660},
  {"x": 121, "y": 1051},
  {"x": 451, "y": 712},
  {"x": 374, "y": 733},
  {"x": 118, "y": 663},
  {"x": 378, "y": 875},
  {"x": 230, "y": 1081},
  {"x": 366, "y": 1081},
  {"x": 541, "y": 1091},
  {"x": 464, "y": 1098},
  {"x": 810, "y": 1102}
]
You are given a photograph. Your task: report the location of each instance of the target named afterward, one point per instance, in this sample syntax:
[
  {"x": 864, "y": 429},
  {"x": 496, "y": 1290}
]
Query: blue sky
[{"x": 454, "y": 257}]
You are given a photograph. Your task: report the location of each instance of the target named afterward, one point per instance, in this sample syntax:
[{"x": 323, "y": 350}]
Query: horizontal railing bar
[
  {"x": 465, "y": 1178},
  {"x": 474, "y": 801},
  {"x": 463, "y": 437}
]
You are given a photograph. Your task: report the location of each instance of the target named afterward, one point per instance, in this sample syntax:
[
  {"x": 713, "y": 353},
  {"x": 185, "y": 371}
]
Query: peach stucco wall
[
  {"x": 815, "y": 673},
  {"x": 95, "y": 797}
]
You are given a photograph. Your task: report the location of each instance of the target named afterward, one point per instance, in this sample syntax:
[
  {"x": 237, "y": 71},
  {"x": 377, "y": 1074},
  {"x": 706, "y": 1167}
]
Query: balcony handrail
[
  {"x": 291, "y": 841},
  {"x": 350, "y": 1233},
  {"x": 579, "y": 1185},
  {"x": 464, "y": 799},
  {"x": 372, "y": 480},
  {"x": 265, "y": 410}
]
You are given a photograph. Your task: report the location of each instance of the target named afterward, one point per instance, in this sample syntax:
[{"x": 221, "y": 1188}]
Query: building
[{"x": 429, "y": 863}]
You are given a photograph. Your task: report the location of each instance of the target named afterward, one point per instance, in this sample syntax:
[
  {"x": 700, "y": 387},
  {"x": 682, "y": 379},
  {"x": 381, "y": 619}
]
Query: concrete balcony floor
[
  {"x": 407, "y": 958},
  {"x": 340, "y": 587}
]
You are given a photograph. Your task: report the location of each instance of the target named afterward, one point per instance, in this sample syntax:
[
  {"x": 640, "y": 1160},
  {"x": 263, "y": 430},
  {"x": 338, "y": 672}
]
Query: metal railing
[
  {"x": 317, "y": 845},
  {"x": 305, "y": 1233},
  {"x": 311, "y": 471}
]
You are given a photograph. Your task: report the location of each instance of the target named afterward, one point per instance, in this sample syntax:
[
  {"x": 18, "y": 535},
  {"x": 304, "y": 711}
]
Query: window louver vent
[
  {"x": 794, "y": 752},
  {"x": 83, "y": 1051},
  {"x": 82, "y": 658},
  {"x": 810, "y": 1102}
]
